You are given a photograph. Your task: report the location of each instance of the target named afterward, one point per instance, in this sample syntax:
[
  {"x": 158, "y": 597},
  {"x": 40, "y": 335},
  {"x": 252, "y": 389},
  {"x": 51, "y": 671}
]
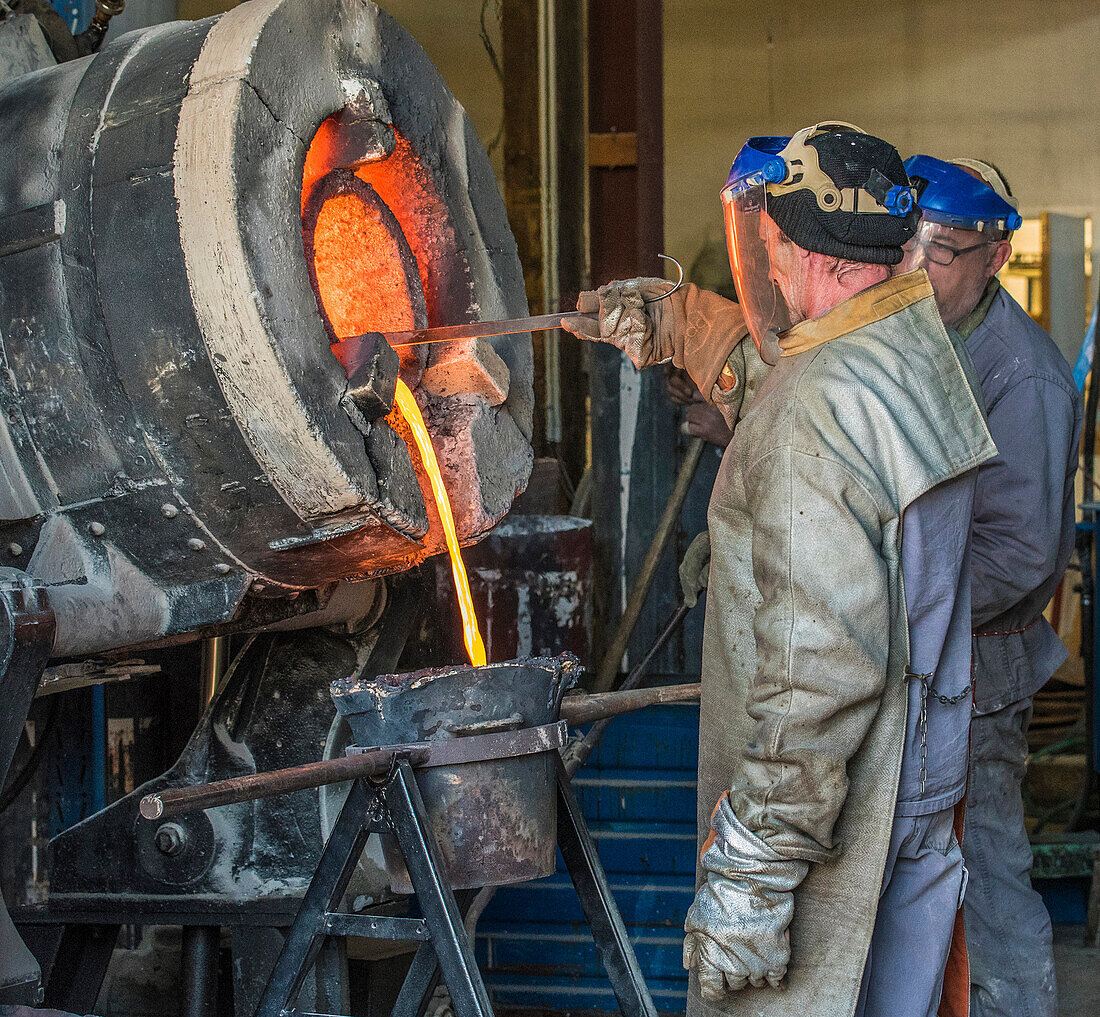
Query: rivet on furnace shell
[
  {"x": 96, "y": 529},
  {"x": 169, "y": 511},
  {"x": 196, "y": 545}
]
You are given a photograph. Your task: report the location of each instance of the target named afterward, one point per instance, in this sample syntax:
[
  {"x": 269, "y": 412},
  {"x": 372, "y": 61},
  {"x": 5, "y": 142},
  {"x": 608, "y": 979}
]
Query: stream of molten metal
[{"x": 471, "y": 635}]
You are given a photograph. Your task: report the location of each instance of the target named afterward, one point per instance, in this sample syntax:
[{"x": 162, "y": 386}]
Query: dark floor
[{"x": 1078, "y": 968}]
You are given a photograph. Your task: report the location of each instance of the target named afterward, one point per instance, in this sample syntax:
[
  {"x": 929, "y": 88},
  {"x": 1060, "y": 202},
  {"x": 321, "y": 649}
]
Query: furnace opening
[
  {"x": 362, "y": 268},
  {"x": 367, "y": 279}
]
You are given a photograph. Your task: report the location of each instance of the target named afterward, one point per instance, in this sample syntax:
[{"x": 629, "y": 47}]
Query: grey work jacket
[
  {"x": 1024, "y": 507},
  {"x": 805, "y": 649}
]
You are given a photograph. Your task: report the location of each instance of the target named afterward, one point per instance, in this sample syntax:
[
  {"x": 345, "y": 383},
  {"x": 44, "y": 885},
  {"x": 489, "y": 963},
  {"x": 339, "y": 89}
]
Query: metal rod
[
  {"x": 427, "y": 873},
  {"x": 598, "y": 902},
  {"x": 199, "y": 963},
  {"x": 172, "y": 801},
  {"x": 609, "y": 666},
  {"x": 215, "y": 653},
  {"x": 604, "y": 705},
  {"x": 472, "y": 330},
  {"x": 577, "y": 753},
  {"x": 306, "y": 935},
  {"x": 576, "y": 710}
]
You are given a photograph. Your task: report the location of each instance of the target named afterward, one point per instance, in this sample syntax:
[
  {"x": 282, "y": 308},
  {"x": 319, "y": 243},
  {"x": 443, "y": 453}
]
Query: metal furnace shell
[{"x": 172, "y": 433}]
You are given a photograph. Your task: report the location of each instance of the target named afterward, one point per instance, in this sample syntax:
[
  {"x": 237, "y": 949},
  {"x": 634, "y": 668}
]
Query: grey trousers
[
  {"x": 921, "y": 887},
  {"x": 1008, "y": 932}
]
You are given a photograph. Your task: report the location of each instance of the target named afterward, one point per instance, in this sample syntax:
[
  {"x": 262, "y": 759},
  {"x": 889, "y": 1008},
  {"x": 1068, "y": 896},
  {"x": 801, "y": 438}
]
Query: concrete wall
[{"x": 1017, "y": 82}]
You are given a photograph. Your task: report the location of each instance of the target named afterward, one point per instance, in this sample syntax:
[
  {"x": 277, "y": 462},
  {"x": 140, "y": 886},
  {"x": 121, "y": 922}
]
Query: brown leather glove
[{"x": 693, "y": 328}]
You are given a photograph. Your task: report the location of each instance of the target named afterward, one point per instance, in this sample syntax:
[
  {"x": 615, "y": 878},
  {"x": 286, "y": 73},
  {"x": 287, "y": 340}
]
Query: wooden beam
[{"x": 613, "y": 149}]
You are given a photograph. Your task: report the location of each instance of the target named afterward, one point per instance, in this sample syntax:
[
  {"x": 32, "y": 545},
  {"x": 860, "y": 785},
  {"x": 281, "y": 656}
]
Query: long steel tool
[
  {"x": 581, "y": 709},
  {"x": 507, "y": 326}
]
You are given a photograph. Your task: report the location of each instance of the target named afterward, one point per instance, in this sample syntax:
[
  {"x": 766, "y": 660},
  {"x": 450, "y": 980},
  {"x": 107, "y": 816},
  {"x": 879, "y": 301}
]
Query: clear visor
[
  {"x": 939, "y": 244},
  {"x": 749, "y": 238}
]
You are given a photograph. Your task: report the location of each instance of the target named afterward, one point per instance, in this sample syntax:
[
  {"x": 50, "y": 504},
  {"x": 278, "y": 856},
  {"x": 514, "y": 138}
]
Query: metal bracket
[
  {"x": 26, "y": 639},
  {"x": 476, "y": 748},
  {"x": 445, "y": 948}
]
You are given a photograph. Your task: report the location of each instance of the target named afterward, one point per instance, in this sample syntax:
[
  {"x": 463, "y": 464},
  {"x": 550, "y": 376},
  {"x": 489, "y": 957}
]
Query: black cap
[{"x": 850, "y": 159}]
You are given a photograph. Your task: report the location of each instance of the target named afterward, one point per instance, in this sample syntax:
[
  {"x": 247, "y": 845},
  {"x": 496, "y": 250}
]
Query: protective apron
[{"x": 870, "y": 407}]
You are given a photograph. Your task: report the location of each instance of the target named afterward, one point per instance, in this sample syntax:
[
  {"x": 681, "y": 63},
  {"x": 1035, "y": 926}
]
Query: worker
[
  {"x": 711, "y": 270},
  {"x": 701, "y": 419},
  {"x": 835, "y": 703},
  {"x": 1022, "y": 539}
]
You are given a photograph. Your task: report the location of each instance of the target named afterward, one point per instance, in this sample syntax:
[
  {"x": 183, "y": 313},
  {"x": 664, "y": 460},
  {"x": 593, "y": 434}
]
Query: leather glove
[
  {"x": 697, "y": 330},
  {"x": 736, "y": 930},
  {"x": 626, "y": 321},
  {"x": 695, "y": 568}
]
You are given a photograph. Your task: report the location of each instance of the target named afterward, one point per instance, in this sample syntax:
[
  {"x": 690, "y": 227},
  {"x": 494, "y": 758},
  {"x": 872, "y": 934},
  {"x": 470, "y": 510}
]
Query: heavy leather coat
[{"x": 806, "y": 639}]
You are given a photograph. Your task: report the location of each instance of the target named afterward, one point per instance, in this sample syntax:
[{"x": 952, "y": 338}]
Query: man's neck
[
  {"x": 832, "y": 290},
  {"x": 969, "y": 323}
]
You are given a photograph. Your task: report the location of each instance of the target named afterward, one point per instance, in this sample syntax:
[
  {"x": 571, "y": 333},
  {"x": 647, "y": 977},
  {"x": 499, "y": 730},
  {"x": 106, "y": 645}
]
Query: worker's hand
[
  {"x": 625, "y": 320},
  {"x": 703, "y": 420},
  {"x": 679, "y": 386},
  {"x": 736, "y": 930},
  {"x": 695, "y": 568}
]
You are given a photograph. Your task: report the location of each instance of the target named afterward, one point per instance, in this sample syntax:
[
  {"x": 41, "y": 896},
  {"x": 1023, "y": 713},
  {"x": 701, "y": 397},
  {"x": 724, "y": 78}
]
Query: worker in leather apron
[
  {"x": 836, "y": 653},
  {"x": 1022, "y": 539}
]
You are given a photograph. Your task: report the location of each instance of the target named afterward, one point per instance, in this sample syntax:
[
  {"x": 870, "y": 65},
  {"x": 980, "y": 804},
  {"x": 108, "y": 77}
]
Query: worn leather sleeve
[
  {"x": 703, "y": 332},
  {"x": 822, "y": 636}
]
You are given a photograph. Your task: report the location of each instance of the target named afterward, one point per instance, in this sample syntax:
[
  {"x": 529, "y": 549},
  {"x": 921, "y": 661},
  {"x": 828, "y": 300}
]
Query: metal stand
[{"x": 394, "y": 805}]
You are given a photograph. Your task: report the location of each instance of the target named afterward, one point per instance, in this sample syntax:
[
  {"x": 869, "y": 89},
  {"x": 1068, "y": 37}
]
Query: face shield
[
  {"x": 966, "y": 210},
  {"x": 766, "y": 265},
  {"x": 750, "y": 238},
  {"x": 939, "y": 244}
]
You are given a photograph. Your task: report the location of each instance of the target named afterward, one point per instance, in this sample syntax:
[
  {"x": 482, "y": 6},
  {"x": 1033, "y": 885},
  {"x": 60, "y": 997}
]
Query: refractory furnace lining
[{"x": 179, "y": 443}]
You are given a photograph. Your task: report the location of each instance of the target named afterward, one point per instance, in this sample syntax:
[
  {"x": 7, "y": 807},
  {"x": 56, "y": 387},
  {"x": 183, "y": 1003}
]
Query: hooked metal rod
[{"x": 582, "y": 709}]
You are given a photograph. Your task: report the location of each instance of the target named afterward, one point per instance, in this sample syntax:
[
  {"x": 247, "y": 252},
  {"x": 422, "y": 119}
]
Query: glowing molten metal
[{"x": 471, "y": 635}]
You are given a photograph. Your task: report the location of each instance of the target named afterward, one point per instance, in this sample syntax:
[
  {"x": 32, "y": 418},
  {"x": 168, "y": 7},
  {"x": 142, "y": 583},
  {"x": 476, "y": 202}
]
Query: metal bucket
[{"x": 495, "y": 821}]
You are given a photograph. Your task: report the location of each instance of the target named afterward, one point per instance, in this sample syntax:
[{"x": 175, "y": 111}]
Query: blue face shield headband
[
  {"x": 769, "y": 169},
  {"x": 949, "y": 195}
]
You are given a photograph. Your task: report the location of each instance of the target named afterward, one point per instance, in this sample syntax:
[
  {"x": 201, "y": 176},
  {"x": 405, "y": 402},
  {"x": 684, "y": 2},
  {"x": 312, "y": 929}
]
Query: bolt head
[
  {"x": 170, "y": 839},
  {"x": 196, "y": 545},
  {"x": 169, "y": 511},
  {"x": 222, "y": 569},
  {"x": 96, "y": 529},
  {"x": 15, "y": 549}
]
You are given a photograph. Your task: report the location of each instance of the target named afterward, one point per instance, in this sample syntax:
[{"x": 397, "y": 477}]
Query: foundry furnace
[
  {"x": 203, "y": 227},
  {"x": 188, "y": 226}
]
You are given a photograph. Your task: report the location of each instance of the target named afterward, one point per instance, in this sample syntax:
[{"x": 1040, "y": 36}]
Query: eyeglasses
[{"x": 941, "y": 254}]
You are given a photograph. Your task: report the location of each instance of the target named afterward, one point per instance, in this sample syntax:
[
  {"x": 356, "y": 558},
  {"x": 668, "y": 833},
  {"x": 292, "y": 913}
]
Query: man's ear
[
  {"x": 848, "y": 272},
  {"x": 1000, "y": 256}
]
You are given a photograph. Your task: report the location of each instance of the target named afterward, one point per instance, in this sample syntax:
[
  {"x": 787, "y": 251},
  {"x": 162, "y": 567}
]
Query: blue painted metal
[
  {"x": 1086, "y": 545},
  {"x": 638, "y": 793},
  {"x": 950, "y": 195},
  {"x": 77, "y": 13},
  {"x": 1067, "y": 900},
  {"x": 77, "y": 782}
]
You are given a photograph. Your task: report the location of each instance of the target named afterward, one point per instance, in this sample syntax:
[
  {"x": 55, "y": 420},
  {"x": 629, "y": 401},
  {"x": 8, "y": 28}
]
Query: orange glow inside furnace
[{"x": 361, "y": 273}]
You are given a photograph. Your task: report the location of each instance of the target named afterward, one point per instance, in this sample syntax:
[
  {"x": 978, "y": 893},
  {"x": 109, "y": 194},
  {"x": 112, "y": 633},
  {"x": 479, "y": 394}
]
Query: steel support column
[{"x": 635, "y": 443}]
